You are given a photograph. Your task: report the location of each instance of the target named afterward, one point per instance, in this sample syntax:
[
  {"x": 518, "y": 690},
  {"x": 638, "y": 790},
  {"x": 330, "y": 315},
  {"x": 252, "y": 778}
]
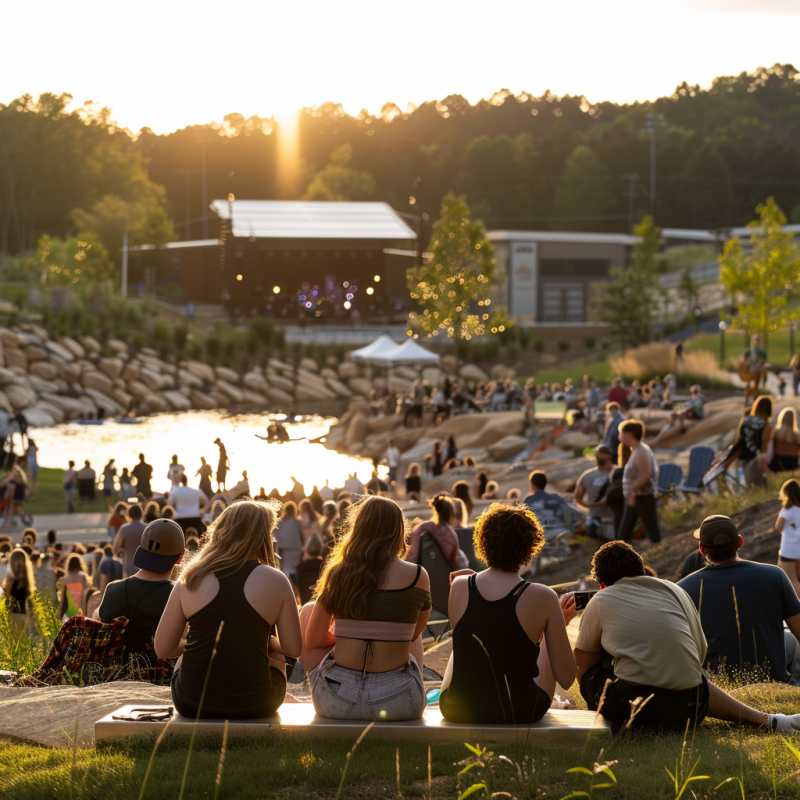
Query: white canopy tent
[
  {"x": 409, "y": 353},
  {"x": 374, "y": 351}
]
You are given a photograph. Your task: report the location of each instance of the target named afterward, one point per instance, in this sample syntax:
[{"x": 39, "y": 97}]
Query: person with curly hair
[
  {"x": 510, "y": 643},
  {"x": 640, "y": 653}
]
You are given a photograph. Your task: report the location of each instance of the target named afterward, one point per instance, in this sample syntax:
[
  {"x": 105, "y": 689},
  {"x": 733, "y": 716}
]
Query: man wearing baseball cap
[
  {"x": 744, "y": 604},
  {"x": 141, "y": 598}
]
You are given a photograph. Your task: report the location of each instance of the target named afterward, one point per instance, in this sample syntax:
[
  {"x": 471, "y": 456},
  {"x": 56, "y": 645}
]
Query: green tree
[
  {"x": 628, "y": 302},
  {"x": 81, "y": 260},
  {"x": 339, "y": 182},
  {"x": 583, "y": 191},
  {"x": 758, "y": 278},
  {"x": 452, "y": 287}
]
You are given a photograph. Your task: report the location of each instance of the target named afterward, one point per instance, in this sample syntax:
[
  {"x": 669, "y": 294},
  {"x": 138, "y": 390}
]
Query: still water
[{"x": 191, "y": 434}]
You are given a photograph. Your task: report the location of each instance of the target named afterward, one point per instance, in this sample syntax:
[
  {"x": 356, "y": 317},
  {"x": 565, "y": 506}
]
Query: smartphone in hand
[{"x": 582, "y": 599}]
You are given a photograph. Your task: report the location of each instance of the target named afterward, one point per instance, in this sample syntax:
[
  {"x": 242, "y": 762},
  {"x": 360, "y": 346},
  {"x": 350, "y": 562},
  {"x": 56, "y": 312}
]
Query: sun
[{"x": 288, "y": 152}]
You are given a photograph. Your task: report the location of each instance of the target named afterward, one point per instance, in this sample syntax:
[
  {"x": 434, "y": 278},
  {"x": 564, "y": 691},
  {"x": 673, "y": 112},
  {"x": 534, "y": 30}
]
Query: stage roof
[{"x": 278, "y": 219}]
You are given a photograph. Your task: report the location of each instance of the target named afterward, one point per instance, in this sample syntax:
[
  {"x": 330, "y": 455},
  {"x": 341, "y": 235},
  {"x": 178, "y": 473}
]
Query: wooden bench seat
[{"x": 556, "y": 729}]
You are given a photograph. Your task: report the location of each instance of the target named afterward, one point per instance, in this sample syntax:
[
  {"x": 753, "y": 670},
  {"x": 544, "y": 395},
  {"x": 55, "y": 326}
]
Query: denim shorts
[{"x": 340, "y": 693}]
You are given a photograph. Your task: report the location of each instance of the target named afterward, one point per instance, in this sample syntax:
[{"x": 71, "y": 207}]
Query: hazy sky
[{"x": 167, "y": 64}]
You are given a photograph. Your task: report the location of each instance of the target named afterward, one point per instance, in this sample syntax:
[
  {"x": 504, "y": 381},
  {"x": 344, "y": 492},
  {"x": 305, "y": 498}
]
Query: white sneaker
[{"x": 789, "y": 723}]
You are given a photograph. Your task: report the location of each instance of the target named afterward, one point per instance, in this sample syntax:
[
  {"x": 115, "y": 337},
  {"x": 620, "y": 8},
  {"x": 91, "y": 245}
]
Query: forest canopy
[{"x": 520, "y": 162}]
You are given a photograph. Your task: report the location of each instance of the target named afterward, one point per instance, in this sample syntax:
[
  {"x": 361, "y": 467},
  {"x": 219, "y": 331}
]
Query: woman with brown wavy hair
[
  {"x": 362, "y": 636},
  {"x": 239, "y": 606}
]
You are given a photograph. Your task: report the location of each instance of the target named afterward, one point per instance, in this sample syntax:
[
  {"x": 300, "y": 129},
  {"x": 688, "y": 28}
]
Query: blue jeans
[{"x": 340, "y": 693}]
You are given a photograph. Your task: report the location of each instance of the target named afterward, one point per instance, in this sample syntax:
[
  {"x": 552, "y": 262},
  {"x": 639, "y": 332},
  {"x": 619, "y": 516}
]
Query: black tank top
[
  {"x": 494, "y": 665},
  {"x": 240, "y": 684}
]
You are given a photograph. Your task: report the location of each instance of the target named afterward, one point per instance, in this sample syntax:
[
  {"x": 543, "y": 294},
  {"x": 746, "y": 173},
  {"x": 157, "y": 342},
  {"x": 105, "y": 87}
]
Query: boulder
[
  {"x": 347, "y": 369},
  {"x": 233, "y": 394},
  {"x": 433, "y": 375},
  {"x": 400, "y": 384},
  {"x": 168, "y": 381},
  {"x": 139, "y": 389},
  {"x": 360, "y": 386},
  {"x": 39, "y": 418},
  {"x": 329, "y": 373},
  {"x": 36, "y": 330},
  {"x": 85, "y": 365},
  {"x": 107, "y": 403},
  {"x": 186, "y": 378},
  {"x": 40, "y": 385},
  {"x": 282, "y": 398},
  {"x": 576, "y": 441},
  {"x": 497, "y": 426},
  {"x": 90, "y": 344},
  {"x": 44, "y": 369},
  {"x": 6, "y": 376},
  {"x": 221, "y": 400},
  {"x": 186, "y": 391},
  {"x": 4, "y": 403},
  {"x": 358, "y": 428},
  {"x": 472, "y": 372},
  {"x": 202, "y": 400},
  {"x": 305, "y": 393},
  {"x": 111, "y": 366},
  {"x": 72, "y": 408},
  {"x": 122, "y": 397},
  {"x": 98, "y": 381},
  {"x": 9, "y": 338},
  {"x": 226, "y": 374},
  {"x": 309, "y": 365},
  {"x": 508, "y": 447},
  {"x": 280, "y": 382},
  {"x": 131, "y": 372},
  {"x": 255, "y": 382},
  {"x": 154, "y": 404},
  {"x": 385, "y": 424},
  {"x": 118, "y": 346},
  {"x": 500, "y": 371},
  {"x": 201, "y": 370},
  {"x": 409, "y": 373},
  {"x": 338, "y": 388},
  {"x": 178, "y": 401},
  {"x": 254, "y": 398},
  {"x": 280, "y": 366},
  {"x": 16, "y": 358},
  {"x": 20, "y": 396},
  {"x": 68, "y": 372},
  {"x": 151, "y": 379},
  {"x": 68, "y": 343},
  {"x": 148, "y": 351},
  {"x": 56, "y": 349},
  {"x": 53, "y": 411},
  {"x": 153, "y": 363}
]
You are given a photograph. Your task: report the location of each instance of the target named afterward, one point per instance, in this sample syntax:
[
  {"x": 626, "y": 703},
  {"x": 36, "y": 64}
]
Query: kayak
[
  {"x": 89, "y": 421},
  {"x": 129, "y": 420}
]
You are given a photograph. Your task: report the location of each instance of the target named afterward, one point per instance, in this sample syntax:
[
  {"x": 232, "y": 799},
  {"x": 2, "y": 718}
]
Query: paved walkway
[{"x": 71, "y": 527}]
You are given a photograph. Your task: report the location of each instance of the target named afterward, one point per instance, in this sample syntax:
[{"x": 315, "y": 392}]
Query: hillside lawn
[{"x": 49, "y": 496}]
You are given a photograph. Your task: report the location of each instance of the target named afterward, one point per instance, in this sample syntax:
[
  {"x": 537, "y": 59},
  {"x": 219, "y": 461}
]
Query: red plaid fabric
[{"x": 88, "y": 652}]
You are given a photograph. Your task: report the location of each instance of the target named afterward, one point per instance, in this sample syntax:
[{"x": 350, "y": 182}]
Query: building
[{"x": 545, "y": 277}]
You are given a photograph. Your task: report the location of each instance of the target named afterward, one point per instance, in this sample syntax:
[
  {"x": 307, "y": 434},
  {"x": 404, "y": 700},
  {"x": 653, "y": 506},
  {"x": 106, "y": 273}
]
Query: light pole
[
  {"x": 652, "y": 123},
  {"x": 723, "y": 326}
]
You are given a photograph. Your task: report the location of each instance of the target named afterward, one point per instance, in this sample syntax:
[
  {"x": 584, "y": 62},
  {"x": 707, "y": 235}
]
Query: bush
[
  {"x": 538, "y": 345},
  {"x": 589, "y": 342},
  {"x": 563, "y": 346}
]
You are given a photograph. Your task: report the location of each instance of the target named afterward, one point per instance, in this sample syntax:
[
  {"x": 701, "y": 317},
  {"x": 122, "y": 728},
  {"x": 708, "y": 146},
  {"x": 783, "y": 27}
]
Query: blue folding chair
[
  {"x": 700, "y": 459},
  {"x": 669, "y": 476}
]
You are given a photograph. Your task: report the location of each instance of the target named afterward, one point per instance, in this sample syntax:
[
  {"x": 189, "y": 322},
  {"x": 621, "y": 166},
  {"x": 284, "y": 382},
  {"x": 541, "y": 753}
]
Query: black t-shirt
[
  {"x": 764, "y": 599},
  {"x": 142, "y": 602}
]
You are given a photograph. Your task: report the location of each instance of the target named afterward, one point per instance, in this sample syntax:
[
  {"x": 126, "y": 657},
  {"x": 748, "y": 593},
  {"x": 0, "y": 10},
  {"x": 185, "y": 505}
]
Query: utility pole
[
  {"x": 631, "y": 193},
  {"x": 125, "y": 264},
  {"x": 652, "y": 123}
]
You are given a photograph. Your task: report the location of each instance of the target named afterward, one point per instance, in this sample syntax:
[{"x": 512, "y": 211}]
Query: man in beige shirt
[{"x": 640, "y": 652}]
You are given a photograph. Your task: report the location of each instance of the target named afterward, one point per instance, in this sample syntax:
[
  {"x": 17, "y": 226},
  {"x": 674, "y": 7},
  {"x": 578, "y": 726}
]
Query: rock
[
  {"x": 131, "y": 372},
  {"x": 338, "y": 388},
  {"x": 309, "y": 364},
  {"x": 400, "y": 384},
  {"x": 154, "y": 404},
  {"x": 281, "y": 383},
  {"x": 280, "y": 366},
  {"x": 90, "y": 344},
  {"x": 186, "y": 391},
  {"x": 254, "y": 398},
  {"x": 73, "y": 408},
  {"x": 139, "y": 389},
  {"x": 4, "y": 403},
  {"x": 148, "y": 351},
  {"x": 44, "y": 369},
  {"x": 279, "y": 396},
  {"x": 38, "y": 418},
  {"x": 255, "y": 382},
  {"x": 56, "y": 349},
  {"x": 111, "y": 366},
  {"x": 122, "y": 397},
  {"x": 107, "y": 403},
  {"x": 203, "y": 371},
  {"x": 433, "y": 375},
  {"x": 233, "y": 394},
  {"x": 118, "y": 346},
  {"x": 53, "y": 411},
  {"x": 228, "y": 375},
  {"x": 153, "y": 363},
  {"x": 37, "y": 330},
  {"x": 68, "y": 343},
  {"x": 358, "y": 428},
  {"x": 221, "y": 400},
  {"x": 507, "y": 447},
  {"x": 68, "y": 372},
  {"x": 9, "y": 338},
  {"x": 329, "y": 373},
  {"x": 151, "y": 379},
  {"x": 409, "y": 373},
  {"x": 20, "y": 396},
  {"x": 472, "y": 372},
  {"x": 500, "y": 371},
  {"x": 202, "y": 400},
  {"x": 497, "y": 426},
  {"x": 40, "y": 385},
  {"x": 385, "y": 424},
  {"x": 6, "y": 376},
  {"x": 98, "y": 381},
  {"x": 554, "y": 454},
  {"x": 576, "y": 441},
  {"x": 186, "y": 378},
  {"x": 347, "y": 369},
  {"x": 86, "y": 366},
  {"x": 360, "y": 386},
  {"x": 178, "y": 401},
  {"x": 16, "y": 358},
  {"x": 305, "y": 393}
]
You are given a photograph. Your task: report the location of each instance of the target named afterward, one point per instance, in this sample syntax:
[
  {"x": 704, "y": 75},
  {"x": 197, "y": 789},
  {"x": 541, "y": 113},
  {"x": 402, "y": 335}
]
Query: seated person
[
  {"x": 309, "y": 568},
  {"x": 363, "y": 634},
  {"x": 142, "y": 597},
  {"x": 590, "y": 493},
  {"x": 439, "y": 527},
  {"x": 240, "y": 609},
  {"x": 553, "y": 511},
  {"x": 694, "y": 409},
  {"x": 505, "y": 628},
  {"x": 641, "y": 640},
  {"x": 744, "y": 604}
]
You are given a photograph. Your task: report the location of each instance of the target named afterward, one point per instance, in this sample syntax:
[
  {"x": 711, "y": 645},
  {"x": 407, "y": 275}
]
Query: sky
[{"x": 166, "y": 65}]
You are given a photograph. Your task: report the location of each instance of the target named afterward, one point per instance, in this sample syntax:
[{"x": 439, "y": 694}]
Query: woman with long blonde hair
[
  {"x": 788, "y": 525},
  {"x": 363, "y": 633},
  {"x": 18, "y": 586},
  {"x": 242, "y": 620},
  {"x": 784, "y": 443}
]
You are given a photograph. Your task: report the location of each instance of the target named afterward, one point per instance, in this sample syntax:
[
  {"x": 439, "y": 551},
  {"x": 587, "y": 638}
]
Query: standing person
[
  {"x": 308, "y": 520},
  {"x": 330, "y": 515},
  {"x": 175, "y": 472},
  {"x": 127, "y": 539},
  {"x": 75, "y": 581},
  {"x": 289, "y": 538},
  {"x": 223, "y": 466},
  {"x": 33, "y": 465},
  {"x": 590, "y": 493},
  {"x": 392, "y": 456},
  {"x": 753, "y": 438},
  {"x": 308, "y": 569},
  {"x": 189, "y": 505},
  {"x": 232, "y": 580},
  {"x": 618, "y": 394},
  {"x": 18, "y": 585},
  {"x": 109, "y": 473},
  {"x": 21, "y": 421},
  {"x": 795, "y": 366},
  {"x": 326, "y": 492},
  {"x": 363, "y": 633},
  {"x": 413, "y": 483},
  {"x": 125, "y": 487},
  {"x": 86, "y": 481},
  {"x": 788, "y": 525},
  {"x": 784, "y": 443},
  {"x": 205, "y": 472},
  {"x": 117, "y": 518},
  {"x": 16, "y": 491},
  {"x": 438, "y": 459},
  {"x": 614, "y": 418},
  {"x": 639, "y": 484},
  {"x": 143, "y": 474},
  {"x": 460, "y": 491},
  {"x": 504, "y": 626},
  {"x": 70, "y": 484},
  {"x": 298, "y": 491},
  {"x": 452, "y": 450}
]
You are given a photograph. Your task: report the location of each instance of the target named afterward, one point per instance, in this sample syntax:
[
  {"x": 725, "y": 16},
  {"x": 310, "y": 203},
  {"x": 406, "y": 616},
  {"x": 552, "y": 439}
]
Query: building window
[{"x": 563, "y": 303}]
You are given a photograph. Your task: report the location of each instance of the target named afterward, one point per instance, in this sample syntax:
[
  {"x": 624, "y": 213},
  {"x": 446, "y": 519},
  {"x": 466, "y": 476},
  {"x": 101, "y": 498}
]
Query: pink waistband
[{"x": 379, "y": 631}]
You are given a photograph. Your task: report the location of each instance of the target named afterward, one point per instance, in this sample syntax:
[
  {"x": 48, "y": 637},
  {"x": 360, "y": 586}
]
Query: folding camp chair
[
  {"x": 700, "y": 459},
  {"x": 466, "y": 544},
  {"x": 669, "y": 476},
  {"x": 435, "y": 563}
]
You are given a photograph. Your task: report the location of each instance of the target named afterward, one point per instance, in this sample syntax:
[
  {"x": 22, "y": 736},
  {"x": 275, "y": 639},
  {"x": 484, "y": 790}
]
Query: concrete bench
[{"x": 556, "y": 729}]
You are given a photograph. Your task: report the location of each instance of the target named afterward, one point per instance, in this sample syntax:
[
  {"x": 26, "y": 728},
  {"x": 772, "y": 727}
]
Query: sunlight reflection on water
[{"x": 190, "y": 435}]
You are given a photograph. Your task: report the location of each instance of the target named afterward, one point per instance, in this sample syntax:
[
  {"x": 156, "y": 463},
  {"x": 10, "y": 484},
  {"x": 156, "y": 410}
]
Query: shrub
[
  {"x": 563, "y": 346},
  {"x": 589, "y": 342}
]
